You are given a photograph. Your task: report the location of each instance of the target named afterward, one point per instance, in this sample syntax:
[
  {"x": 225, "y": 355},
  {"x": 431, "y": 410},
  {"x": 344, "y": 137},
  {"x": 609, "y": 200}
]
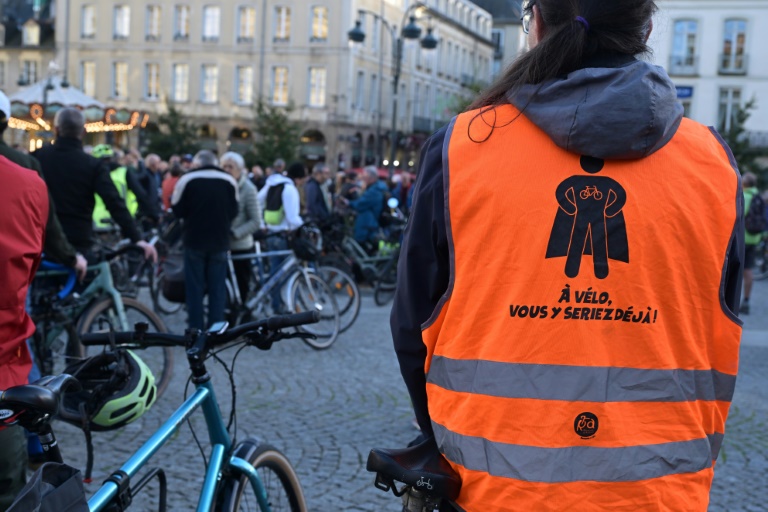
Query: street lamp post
[{"x": 409, "y": 31}]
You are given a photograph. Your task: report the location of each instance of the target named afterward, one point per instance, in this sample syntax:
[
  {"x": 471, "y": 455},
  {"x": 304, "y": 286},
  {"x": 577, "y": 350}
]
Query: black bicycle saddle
[
  {"x": 421, "y": 467},
  {"x": 31, "y": 403}
]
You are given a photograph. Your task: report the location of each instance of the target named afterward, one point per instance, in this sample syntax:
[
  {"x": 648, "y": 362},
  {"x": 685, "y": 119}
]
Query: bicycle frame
[
  {"x": 221, "y": 444},
  {"x": 101, "y": 285},
  {"x": 288, "y": 271}
]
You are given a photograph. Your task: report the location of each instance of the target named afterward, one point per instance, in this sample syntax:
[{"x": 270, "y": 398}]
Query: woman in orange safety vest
[{"x": 565, "y": 318}]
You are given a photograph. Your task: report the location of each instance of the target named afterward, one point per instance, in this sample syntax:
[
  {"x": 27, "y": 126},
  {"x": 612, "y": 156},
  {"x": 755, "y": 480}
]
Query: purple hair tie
[{"x": 583, "y": 22}]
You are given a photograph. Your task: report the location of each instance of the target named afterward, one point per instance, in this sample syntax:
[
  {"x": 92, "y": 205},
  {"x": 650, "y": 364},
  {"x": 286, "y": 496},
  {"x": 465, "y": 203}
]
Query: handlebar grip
[
  {"x": 71, "y": 276},
  {"x": 282, "y": 321},
  {"x": 103, "y": 338}
]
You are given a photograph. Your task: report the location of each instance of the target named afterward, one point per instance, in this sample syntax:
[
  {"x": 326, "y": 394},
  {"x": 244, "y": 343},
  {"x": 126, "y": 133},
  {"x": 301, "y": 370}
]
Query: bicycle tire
[
  {"x": 160, "y": 303},
  {"x": 338, "y": 260},
  {"x": 283, "y": 488},
  {"x": 159, "y": 359},
  {"x": 346, "y": 292},
  {"x": 760, "y": 270},
  {"x": 384, "y": 291},
  {"x": 303, "y": 298}
]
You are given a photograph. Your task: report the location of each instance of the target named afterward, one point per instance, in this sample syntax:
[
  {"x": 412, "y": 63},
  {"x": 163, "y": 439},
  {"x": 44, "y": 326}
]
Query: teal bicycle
[
  {"x": 246, "y": 475},
  {"x": 61, "y": 316}
]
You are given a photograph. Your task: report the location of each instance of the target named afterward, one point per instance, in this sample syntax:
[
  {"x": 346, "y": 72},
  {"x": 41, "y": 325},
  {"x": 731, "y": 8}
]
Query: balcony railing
[
  {"x": 683, "y": 65},
  {"x": 729, "y": 64}
]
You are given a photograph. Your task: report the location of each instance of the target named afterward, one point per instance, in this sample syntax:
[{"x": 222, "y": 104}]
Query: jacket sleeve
[
  {"x": 423, "y": 274},
  {"x": 252, "y": 215},
  {"x": 368, "y": 201},
  {"x": 147, "y": 205},
  {"x": 292, "y": 207},
  {"x": 115, "y": 204}
]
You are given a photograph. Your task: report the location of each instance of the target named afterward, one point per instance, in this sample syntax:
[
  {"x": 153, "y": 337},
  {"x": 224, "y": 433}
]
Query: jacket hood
[
  {"x": 623, "y": 112},
  {"x": 277, "y": 179}
]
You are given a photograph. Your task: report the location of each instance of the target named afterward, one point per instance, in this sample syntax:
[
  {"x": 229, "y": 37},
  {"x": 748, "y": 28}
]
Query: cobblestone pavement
[{"x": 326, "y": 409}]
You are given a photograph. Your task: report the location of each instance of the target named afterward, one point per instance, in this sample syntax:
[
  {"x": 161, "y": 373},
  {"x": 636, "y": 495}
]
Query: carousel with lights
[{"x": 34, "y": 107}]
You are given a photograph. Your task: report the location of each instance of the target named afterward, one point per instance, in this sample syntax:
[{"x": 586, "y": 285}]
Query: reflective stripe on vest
[
  {"x": 120, "y": 179},
  {"x": 581, "y": 357}
]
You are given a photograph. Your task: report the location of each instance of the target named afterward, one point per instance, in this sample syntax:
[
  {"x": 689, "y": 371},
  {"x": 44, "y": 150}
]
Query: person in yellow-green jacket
[
  {"x": 751, "y": 240},
  {"x": 127, "y": 186}
]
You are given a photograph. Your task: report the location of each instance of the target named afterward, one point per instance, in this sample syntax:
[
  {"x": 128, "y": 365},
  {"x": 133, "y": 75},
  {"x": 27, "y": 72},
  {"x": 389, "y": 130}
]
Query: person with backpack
[
  {"x": 279, "y": 200},
  {"x": 754, "y": 225}
]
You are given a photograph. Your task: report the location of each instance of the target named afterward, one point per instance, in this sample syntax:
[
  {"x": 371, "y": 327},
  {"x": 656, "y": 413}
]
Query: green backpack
[{"x": 273, "y": 210}]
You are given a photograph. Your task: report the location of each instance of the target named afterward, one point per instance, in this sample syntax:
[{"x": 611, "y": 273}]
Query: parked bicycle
[
  {"x": 246, "y": 475},
  {"x": 61, "y": 315},
  {"x": 300, "y": 290}
]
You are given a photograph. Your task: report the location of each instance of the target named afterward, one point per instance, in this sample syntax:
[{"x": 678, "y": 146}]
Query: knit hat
[{"x": 296, "y": 171}]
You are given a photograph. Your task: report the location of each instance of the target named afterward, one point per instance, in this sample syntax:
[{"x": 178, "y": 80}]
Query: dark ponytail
[{"x": 605, "y": 27}]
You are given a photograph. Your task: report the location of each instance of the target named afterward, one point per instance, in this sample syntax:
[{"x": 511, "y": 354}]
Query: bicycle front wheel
[
  {"x": 310, "y": 293},
  {"x": 345, "y": 291},
  {"x": 384, "y": 291},
  {"x": 282, "y": 490},
  {"x": 103, "y": 313},
  {"x": 162, "y": 304}
]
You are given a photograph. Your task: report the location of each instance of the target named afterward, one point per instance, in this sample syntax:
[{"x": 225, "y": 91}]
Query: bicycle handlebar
[
  {"x": 273, "y": 323},
  {"x": 71, "y": 276}
]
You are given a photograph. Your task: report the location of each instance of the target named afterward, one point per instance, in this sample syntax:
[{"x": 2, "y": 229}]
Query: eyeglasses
[{"x": 527, "y": 15}]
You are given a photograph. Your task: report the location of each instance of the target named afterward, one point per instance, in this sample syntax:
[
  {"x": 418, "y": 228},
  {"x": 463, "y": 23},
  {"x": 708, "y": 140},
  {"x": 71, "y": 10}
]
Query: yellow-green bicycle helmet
[
  {"x": 117, "y": 388},
  {"x": 103, "y": 151}
]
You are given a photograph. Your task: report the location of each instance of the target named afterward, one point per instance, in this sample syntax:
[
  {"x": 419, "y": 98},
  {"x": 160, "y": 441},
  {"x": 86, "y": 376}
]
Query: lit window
[
  {"x": 210, "y": 79},
  {"x": 88, "y": 22},
  {"x": 88, "y": 77},
  {"x": 120, "y": 80},
  {"x": 317, "y": 87},
  {"x": 152, "y": 81},
  {"x": 181, "y": 22},
  {"x": 280, "y": 85},
  {"x": 122, "y": 26},
  {"x": 244, "y": 85},
  {"x": 246, "y": 24},
  {"x": 319, "y": 23},
  {"x": 211, "y": 23},
  {"x": 181, "y": 82},
  {"x": 282, "y": 23},
  {"x": 154, "y": 16}
]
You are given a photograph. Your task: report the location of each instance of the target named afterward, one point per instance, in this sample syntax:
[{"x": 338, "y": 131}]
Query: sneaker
[{"x": 744, "y": 308}]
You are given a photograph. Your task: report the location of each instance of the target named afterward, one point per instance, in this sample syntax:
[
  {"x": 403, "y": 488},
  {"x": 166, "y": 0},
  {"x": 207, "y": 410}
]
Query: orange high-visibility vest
[{"x": 582, "y": 358}]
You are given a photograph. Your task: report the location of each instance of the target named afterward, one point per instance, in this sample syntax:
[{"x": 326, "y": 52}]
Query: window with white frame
[
  {"x": 416, "y": 98},
  {"x": 734, "y": 60},
  {"x": 244, "y": 79},
  {"x": 425, "y": 111},
  {"x": 88, "y": 77},
  {"x": 210, "y": 83},
  {"x": 280, "y": 85},
  {"x": 730, "y": 102},
  {"x": 211, "y": 22},
  {"x": 376, "y": 35},
  {"x": 154, "y": 17},
  {"x": 374, "y": 93},
  {"x": 152, "y": 81},
  {"x": 246, "y": 24},
  {"x": 29, "y": 71},
  {"x": 180, "y": 82},
  {"x": 30, "y": 34},
  {"x": 120, "y": 80},
  {"x": 122, "y": 22},
  {"x": 2, "y": 73},
  {"x": 319, "y": 23},
  {"x": 360, "y": 91},
  {"x": 684, "y": 60},
  {"x": 88, "y": 22},
  {"x": 317, "y": 86},
  {"x": 181, "y": 17},
  {"x": 282, "y": 23}
]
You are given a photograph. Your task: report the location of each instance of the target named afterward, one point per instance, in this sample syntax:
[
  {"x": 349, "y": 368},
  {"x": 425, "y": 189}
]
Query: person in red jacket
[{"x": 23, "y": 216}]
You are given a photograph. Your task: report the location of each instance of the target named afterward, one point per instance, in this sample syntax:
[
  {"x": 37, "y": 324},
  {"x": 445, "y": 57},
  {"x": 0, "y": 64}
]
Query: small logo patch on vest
[{"x": 586, "y": 425}]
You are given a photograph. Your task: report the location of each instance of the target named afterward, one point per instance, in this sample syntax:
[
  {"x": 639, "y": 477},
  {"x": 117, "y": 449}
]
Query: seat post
[{"x": 48, "y": 441}]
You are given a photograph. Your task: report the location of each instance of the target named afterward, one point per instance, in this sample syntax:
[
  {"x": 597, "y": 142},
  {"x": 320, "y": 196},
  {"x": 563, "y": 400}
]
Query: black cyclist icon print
[{"x": 589, "y": 221}]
